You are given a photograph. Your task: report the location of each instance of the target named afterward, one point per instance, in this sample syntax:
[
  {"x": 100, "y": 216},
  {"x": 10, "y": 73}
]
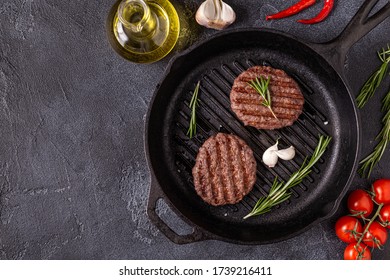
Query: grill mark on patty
[
  {"x": 245, "y": 80},
  {"x": 253, "y": 110},
  {"x": 214, "y": 169},
  {"x": 271, "y": 122},
  {"x": 231, "y": 169},
  {"x": 247, "y": 165},
  {"x": 238, "y": 170},
  {"x": 279, "y": 106},
  {"x": 219, "y": 171},
  {"x": 227, "y": 195},
  {"x": 208, "y": 176},
  {"x": 242, "y": 160},
  {"x": 207, "y": 188},
  {"x": 204, "y": 174},
  {"x": 278, "y": 90}
]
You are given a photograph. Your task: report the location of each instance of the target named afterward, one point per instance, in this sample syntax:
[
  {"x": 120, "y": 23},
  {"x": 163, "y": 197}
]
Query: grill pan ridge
[{"x": 329, "y": 109}]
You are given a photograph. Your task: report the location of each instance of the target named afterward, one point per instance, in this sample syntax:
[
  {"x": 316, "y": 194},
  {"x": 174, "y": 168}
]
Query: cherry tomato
[
  {"x": 384, "y": 215},
  {"x": 347, "y": 227},
  {"x": 354, "y": 252},
  {"x": 360, "y": 203},
  {"x": 381, "y": 189},
  {"x": 376, "y": 235}
]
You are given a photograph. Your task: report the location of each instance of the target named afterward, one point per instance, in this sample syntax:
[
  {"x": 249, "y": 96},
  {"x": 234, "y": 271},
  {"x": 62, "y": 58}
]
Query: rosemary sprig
[
  {"x": 368, "y": 163},
  {"x": 193, "y": 104},
  {"x": 262, "y": 88},
  {"x": 373, "y": 82},
  {"x": 280, "y": 191}
]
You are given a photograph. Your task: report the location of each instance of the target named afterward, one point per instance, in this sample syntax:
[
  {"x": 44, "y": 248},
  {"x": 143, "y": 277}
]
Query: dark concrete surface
[{"x": 74, "y": 181}]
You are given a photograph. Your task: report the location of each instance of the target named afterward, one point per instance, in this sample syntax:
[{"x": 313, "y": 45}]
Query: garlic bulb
[
  {"x": 215, "y": 14},
  {"x": 270, "y": 158}
]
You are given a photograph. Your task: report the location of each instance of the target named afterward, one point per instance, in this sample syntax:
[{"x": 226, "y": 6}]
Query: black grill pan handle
[
  {"x": 155, "y": 195},
  {"x": 335, "y": 51}
]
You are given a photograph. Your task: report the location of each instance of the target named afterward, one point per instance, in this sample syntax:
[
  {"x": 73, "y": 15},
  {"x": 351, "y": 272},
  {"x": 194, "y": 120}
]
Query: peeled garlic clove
[
  {"x": 270, "y": 158},
  {"x": 286, "y": 154},
  {"x": 215, "y": 14}
]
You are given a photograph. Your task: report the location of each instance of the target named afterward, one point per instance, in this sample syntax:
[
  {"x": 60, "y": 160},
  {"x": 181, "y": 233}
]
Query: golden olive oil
[{"x": 143, "y": 31}]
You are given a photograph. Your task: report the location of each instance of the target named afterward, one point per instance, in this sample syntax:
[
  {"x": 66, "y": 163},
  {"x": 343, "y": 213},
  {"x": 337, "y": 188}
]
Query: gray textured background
[{"x": 73, "y": 176}]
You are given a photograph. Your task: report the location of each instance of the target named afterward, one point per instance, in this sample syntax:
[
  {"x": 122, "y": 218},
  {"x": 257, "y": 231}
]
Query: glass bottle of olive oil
[{"x": 143, "y": 31}]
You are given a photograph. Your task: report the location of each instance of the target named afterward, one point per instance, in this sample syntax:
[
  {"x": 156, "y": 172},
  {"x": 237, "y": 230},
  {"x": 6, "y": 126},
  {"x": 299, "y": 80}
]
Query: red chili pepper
[
  {"x": 328, "y": 5},
  {"x": 294, "y": 9}
]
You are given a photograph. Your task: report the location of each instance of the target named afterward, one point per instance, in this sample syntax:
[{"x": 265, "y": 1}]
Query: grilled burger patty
[
  {"x": 225, "y": 170},
  {"x": 286, "y": 96}
]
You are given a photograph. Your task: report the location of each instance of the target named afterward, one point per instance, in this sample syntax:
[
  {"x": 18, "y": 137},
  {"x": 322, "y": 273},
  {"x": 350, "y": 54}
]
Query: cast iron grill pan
[
  {"x": 329, "y": 110},
  {"x": 322, "y": 114}
]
